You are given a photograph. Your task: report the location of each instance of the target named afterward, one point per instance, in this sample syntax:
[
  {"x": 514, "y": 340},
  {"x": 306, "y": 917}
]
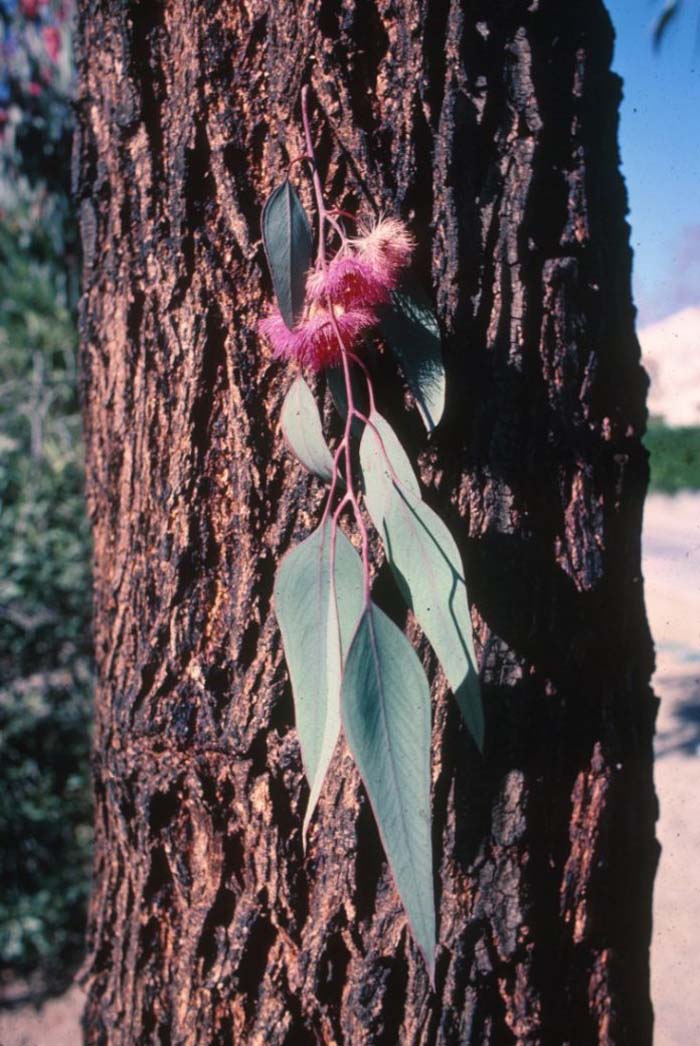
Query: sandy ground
[
  {"x": 672, "y": 574},
  {"x": 57, "y": 1023}
]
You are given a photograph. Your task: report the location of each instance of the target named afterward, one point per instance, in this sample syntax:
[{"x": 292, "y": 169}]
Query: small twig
[{"x": 351, "y": 496}]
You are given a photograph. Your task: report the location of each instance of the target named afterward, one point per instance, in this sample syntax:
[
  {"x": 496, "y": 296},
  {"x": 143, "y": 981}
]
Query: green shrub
[
  {"x": 675, "y": 458},
  {"x": 45, "y": 603}
]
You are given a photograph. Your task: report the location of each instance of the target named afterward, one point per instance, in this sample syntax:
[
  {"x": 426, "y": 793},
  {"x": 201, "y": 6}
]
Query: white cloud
[{"x": 671, "y": 356}]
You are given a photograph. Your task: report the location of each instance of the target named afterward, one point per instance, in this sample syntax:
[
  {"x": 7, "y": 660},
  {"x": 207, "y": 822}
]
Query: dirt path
[
  {"x": 55, "y": 1024},
  {"x": 672, "y": 576}
]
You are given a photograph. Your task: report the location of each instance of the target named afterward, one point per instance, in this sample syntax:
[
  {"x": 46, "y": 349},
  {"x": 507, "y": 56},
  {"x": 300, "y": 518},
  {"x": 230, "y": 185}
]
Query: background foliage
[
  {"x": 45, "y": 655},
  {"x": 675, "y": 458}
]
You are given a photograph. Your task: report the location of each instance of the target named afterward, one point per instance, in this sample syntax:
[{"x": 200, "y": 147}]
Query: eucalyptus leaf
[
  {"x": 288, "y": 242},
  {"x": 426, "y": 562},
  {"x": 411, "y": 328},
  {"x": 301, "y": 425},
  {"x": 668, "y": 14},
  {"x": 318, "y": 609},
  {"x": 386, "y": 716},
  {"x": 345, "y": 604},
  {"x": 382, "y": 449}
]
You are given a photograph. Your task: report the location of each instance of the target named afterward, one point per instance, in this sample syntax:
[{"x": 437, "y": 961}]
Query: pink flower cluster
[
  {"x": 52, "y": 41},
  {"x": 359, "y": 278}
]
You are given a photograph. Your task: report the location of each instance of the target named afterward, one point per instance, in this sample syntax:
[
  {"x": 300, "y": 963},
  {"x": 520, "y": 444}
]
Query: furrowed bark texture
[{"x": 491, "y": 127}]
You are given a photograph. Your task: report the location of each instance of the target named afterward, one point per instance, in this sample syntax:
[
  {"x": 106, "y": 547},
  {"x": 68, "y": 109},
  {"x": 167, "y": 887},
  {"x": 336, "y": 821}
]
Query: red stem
[
  {"x": 334, "y": 481},
  {"x": 344, "y": 445},
  {"x": 337, "y": 212},
  {"x": 368, "y": 379},
  {"x": 318, "y": 190},
  {"x": 295, "y": 161}
]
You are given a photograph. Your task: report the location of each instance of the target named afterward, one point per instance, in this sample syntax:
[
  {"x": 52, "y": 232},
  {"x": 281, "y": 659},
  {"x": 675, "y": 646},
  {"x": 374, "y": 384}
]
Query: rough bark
[{"x": 492, "y": 128}]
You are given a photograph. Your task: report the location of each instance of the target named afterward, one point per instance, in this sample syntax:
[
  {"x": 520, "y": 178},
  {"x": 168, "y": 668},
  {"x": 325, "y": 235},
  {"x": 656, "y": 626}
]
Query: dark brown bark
[{"x": 492, "y": 128}]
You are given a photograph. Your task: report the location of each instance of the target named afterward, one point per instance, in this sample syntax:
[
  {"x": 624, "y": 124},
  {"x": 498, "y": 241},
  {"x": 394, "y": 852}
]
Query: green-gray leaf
[
  {"x": 385, "y": 443},
  {"x": 411, "y": 329},
  {"x": 288, "y": 242},
  {"x": 386, "y": 715},
  {"x": 317, "y": 622},
  {"x": 301, "y": 425},
  {"x": 426, "y": 562}
]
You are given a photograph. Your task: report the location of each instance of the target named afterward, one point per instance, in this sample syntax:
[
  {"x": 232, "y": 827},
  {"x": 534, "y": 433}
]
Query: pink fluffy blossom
[
  {"x": 350, "y": 281},
  {"x": 314, "y": 342},
  {"x": 386, "y": 246},
  {"x": 367, "y": 268},
  {"x": 359, "y": 278}
]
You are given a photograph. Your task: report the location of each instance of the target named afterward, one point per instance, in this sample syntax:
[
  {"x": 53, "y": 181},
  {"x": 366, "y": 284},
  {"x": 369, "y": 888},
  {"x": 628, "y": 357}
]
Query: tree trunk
[{"x": 491, "y": 127}]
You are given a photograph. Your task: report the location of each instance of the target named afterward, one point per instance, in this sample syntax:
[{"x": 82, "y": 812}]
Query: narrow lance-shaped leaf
[
  {"x": 382, "y": 447},
  {"x": 317, "y": 623},
  {"x": 386, "y": 715},
  {"x": 345, "y": 604},
  {"x": 411, "y": 329},
  {"x": 301, "y": 425},
  {"x": 288, "y": 242},
  {"x": 426, "y": 562},
  {"x": 668, "y": 14}
]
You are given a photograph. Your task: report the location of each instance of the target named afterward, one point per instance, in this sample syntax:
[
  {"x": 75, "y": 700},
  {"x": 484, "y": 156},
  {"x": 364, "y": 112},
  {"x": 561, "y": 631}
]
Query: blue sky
[{"x": 660, "y": 147}]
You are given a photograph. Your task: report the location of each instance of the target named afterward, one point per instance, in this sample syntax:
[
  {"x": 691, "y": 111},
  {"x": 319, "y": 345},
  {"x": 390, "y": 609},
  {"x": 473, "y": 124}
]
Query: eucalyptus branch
[{"x": 351, "y": 667}]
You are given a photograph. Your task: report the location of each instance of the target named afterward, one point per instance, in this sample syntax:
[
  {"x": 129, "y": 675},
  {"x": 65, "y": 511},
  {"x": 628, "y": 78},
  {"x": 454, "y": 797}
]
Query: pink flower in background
[
  {"x": 34, "y": 88},
  {"x": 52, "y": 41},
  {"x": 314, "y": 342},
  {"x": 30, "y": 8}
]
